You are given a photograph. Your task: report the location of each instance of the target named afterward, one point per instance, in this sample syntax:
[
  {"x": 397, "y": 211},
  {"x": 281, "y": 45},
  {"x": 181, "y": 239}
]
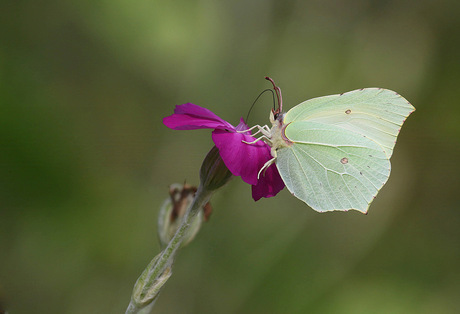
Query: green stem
[{"x": 158, "y": 271}]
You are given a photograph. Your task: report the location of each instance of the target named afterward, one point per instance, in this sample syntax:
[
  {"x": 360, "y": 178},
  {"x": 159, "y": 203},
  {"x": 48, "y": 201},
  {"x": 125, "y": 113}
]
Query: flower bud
[
  {"x": 173, "y": 211},
  {"x": 213, "y": 173}
]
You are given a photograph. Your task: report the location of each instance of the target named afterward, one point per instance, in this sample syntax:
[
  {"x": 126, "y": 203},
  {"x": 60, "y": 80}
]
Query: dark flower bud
[{"x": 213, "y": 173}]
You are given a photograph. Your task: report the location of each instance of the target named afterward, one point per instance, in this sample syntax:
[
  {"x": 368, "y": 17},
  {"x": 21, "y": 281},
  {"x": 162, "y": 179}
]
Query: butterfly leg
[
  {"x": 250, "y": 129},
  {"x": 265, "y": 166},
  {"x": 264, "y": 129},
  {"x": 263, "y": 137},
  {"x": 261, "y": 130}
]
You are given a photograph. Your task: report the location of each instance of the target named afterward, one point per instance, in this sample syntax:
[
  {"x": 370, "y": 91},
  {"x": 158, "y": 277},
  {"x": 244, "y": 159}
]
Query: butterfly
[{"x": 333, "y": 152}]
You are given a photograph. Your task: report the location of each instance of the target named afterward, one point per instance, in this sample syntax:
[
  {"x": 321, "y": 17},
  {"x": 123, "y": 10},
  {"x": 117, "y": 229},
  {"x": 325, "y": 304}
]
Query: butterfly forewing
[{"x": 372, "y": 112}]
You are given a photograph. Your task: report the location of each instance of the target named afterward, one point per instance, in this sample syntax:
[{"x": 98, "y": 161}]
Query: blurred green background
[{"x": 85, "y": 161}]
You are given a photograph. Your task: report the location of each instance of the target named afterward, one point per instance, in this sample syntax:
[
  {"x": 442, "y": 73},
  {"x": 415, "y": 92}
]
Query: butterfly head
[
  {"x": 276, "y": 117},
  {"x": 276, "y": 114}
]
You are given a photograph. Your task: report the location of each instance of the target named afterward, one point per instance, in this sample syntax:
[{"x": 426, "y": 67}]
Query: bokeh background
[{"x": 85, "y": 161}]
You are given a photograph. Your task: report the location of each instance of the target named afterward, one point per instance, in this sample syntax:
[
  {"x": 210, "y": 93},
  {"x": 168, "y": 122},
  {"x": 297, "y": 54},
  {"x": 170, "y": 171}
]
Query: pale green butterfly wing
[
  {"x": 373, "y": 112},
  {"x": 331, "y": 168}
]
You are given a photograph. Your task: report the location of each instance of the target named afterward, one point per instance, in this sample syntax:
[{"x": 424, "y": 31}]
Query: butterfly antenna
[
  {"x": 266, "y": 90},
  {"x": 278, "y": 94}
]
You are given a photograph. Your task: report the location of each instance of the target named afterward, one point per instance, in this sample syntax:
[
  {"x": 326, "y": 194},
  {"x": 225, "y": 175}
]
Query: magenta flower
[{"x": 241, "y": 159}]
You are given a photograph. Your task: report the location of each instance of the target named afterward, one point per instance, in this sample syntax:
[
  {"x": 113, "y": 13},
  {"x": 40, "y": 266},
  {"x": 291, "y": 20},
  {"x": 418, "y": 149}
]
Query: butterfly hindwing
[{"x": 331, "y": 168}]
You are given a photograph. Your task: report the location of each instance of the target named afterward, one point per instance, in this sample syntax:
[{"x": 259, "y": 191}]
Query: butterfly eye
[{"x": 276, "y": 116}]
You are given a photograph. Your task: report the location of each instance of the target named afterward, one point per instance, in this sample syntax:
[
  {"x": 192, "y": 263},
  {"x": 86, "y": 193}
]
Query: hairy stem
[{"x": 158, "y": 271}]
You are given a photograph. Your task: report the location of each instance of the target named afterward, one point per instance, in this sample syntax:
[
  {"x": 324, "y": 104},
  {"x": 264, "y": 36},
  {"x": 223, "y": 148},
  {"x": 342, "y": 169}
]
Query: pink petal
[
  {"x": 241, "y": 159},
  {"x": 270, "y": 183},
  {"x": 190, "y": 117}
]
